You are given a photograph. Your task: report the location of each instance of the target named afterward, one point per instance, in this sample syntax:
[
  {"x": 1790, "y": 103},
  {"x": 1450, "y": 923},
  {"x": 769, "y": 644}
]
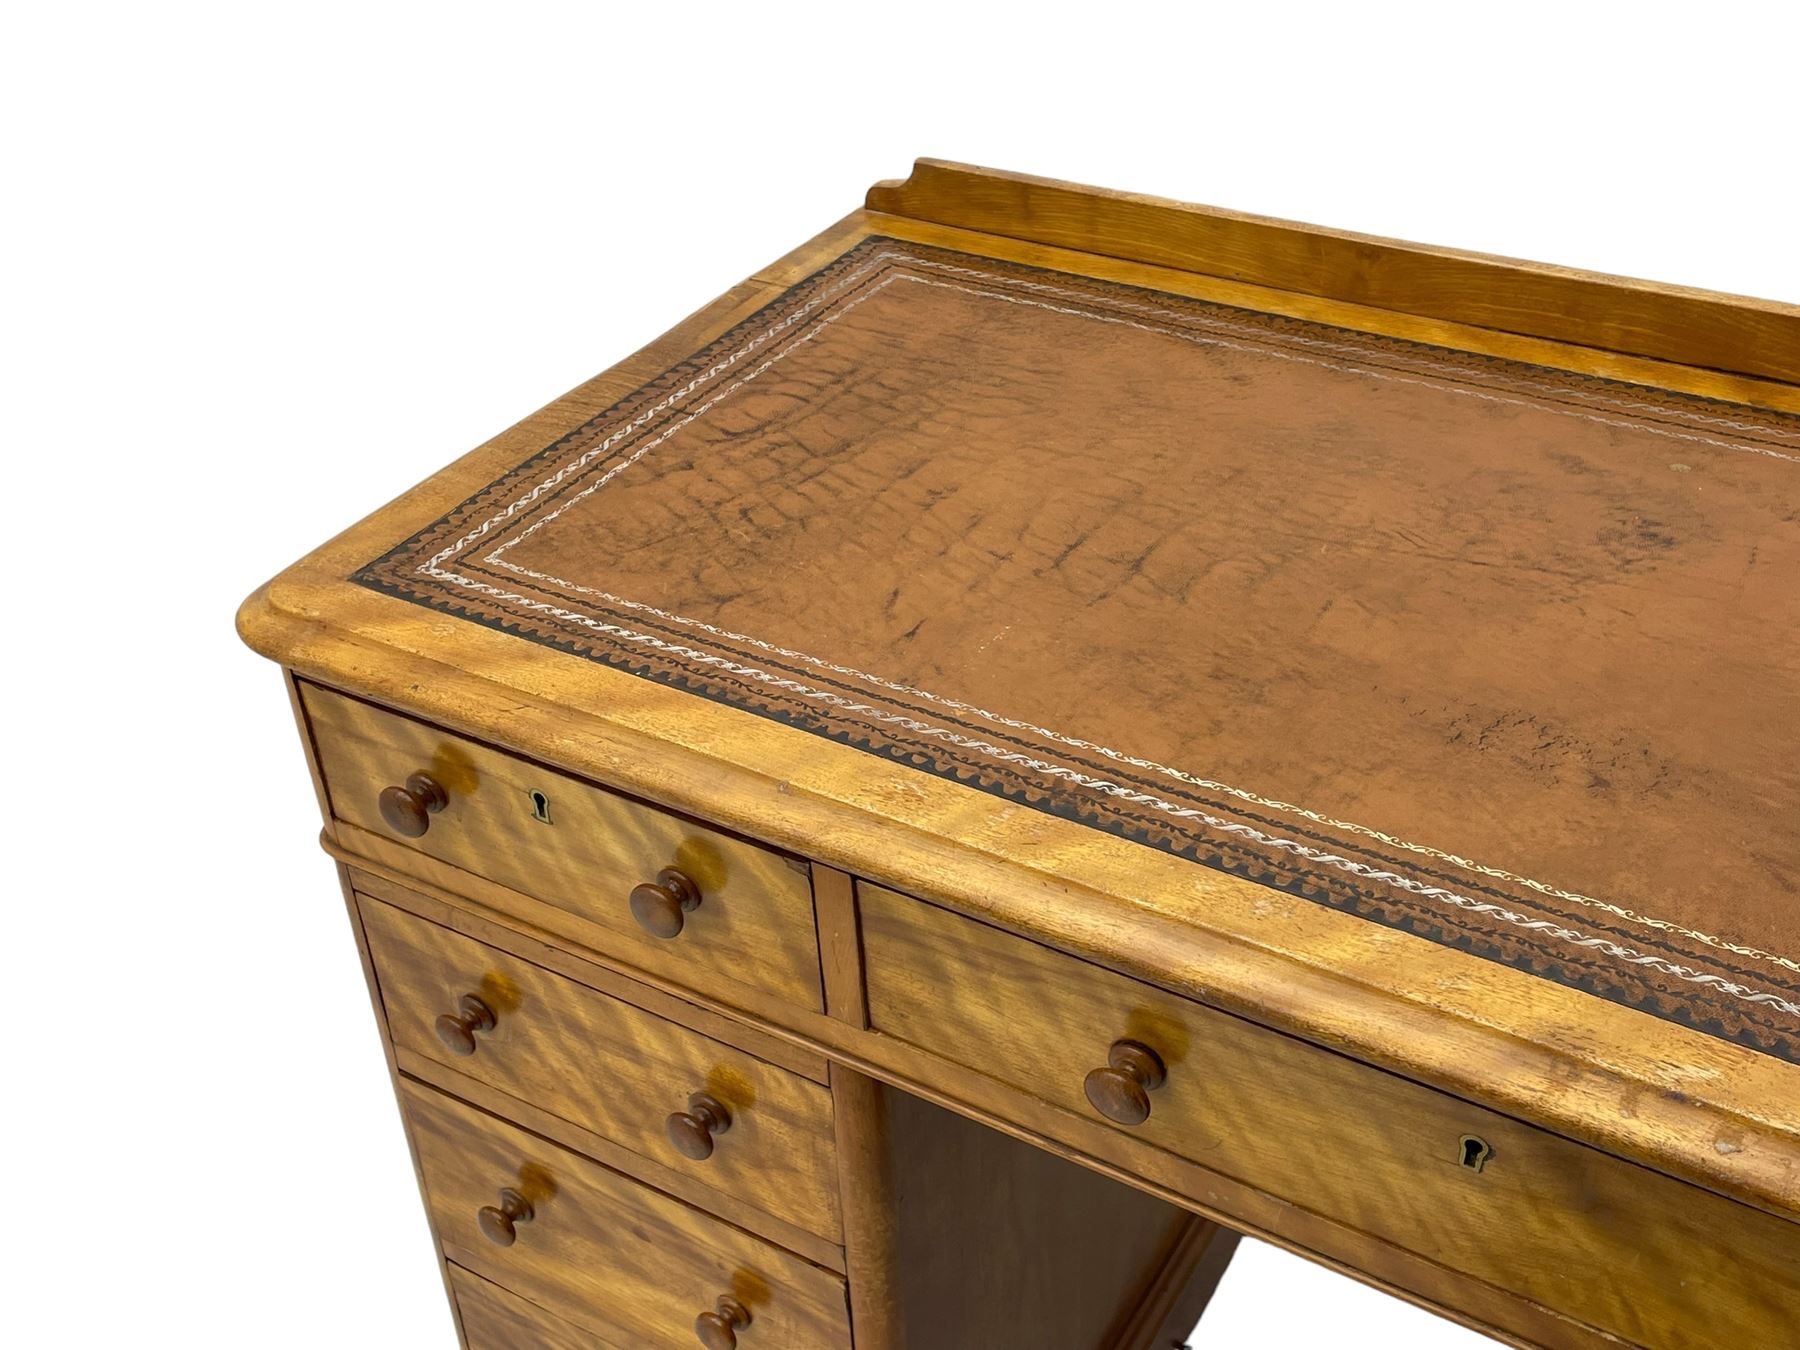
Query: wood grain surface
[
  {"x": 753, "y": 1217},
  {"x": 1121, "y": 1155},
  {"x": 610, "y": 1067},
  {"x": 1649, "y": 1090},
  {"x": 959, "y": 1235},
  {"x": 866, "y": 1192},
  {"x": 996, "y": 1244},
  {"x": 1180, "y": 1293},
  {"x": 353, "y": 910},
  {"x": 555, "y": 954},
  {"x": 754, "y": 923},
  {"x": 601, "y": 1251},
  {"x": 1640, "y": 1256},
  {"x": 496, "y": 1319},
  {"x": 1669, "y": 322}
]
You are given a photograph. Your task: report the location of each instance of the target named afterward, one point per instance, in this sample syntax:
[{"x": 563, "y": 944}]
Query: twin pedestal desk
[{"x": 1049, "y": 729}]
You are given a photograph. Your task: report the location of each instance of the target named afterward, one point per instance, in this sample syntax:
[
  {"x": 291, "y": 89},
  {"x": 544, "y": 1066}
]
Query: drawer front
[
  {"x": 1624, "y": 1249},
  {"x": 753, "y": 923},
  {"x": 593, "y": 1248},
  {"x": 608, "y": 1067},
  {"x": 494, "y": 1319}
]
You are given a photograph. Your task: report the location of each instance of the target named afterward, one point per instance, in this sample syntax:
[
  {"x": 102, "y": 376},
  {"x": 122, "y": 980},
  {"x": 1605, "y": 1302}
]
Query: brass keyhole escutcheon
[
  {"x": 540, "y": 807},
  {"x": 1473, "y": 1152}
]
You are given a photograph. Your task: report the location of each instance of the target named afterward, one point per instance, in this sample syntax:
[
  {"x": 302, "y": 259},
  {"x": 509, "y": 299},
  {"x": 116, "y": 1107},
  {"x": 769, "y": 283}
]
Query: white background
[{"x": 264, "y": 268}]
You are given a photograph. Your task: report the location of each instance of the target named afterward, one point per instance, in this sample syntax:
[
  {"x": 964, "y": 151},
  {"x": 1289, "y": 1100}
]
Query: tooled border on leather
[{"x": 381, "y": 575}]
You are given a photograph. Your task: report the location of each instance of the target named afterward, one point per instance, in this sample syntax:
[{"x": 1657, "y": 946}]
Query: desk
[{"x": 1048, "y": 729}]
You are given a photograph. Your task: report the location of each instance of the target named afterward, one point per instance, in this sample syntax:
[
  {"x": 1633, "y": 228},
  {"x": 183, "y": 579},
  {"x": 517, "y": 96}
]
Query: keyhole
[
  {"x": 540, "y": 807},
  {"x": 1475, "y": 1152}
]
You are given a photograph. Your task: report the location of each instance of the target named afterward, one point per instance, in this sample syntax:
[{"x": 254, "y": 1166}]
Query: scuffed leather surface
[{"x": 1502, "y": 656}]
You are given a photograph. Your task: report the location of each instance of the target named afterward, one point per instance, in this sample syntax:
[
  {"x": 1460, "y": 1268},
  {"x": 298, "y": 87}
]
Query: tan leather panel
[{"x": 1500, "y": 655}]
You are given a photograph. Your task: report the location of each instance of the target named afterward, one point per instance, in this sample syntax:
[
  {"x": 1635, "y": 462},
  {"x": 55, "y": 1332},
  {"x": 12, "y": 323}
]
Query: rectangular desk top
[{"x": 1427, "y": 689}]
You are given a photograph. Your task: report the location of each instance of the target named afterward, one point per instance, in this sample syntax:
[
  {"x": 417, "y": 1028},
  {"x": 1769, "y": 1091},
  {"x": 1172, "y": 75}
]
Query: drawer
[
  {"x": 494, "y": 1319},
  {"x": 750, "y": 921},
  {"x": 1623, "y": 1249},
  {"x": 624, "y": 1263},
  {"x": 607, "y": 1066}
]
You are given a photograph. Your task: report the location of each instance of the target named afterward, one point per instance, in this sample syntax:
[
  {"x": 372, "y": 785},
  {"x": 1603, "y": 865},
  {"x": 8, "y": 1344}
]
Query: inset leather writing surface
[{"x": 1502, "y": 656}]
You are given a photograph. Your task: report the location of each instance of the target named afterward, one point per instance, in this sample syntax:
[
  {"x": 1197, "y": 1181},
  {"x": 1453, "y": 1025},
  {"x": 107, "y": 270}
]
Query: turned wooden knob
[
  {"x": 500, "y": 1224},
  {"x": 457, "y": 1030},
  {"x": 718, "y": 1329},
  {"x": 1121, "y": 1091},
  {"x": 692, "y": 1130},
  {"x": 662, "y": 906},
  {"x": 408, "y": 810}
]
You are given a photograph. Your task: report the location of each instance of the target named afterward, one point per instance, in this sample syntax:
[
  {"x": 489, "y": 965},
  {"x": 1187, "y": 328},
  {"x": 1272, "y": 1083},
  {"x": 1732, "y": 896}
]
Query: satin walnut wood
[
  {"x": 610, "y": 1067},
  {"x": 1363, "y": 1148},
  {"x": 740, "y": 913},
  {"x": 494, "y": 1319},
  {"x": 617, "y": 1259}
]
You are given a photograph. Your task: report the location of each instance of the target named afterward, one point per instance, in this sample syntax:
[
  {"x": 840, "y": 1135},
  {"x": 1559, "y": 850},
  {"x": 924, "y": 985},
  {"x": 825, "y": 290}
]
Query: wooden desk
[{"x": 1049, "y": 728}]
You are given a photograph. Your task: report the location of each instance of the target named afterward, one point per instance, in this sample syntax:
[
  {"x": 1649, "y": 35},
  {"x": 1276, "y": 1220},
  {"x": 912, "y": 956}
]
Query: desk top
[{"x": 1464, "y": 663}]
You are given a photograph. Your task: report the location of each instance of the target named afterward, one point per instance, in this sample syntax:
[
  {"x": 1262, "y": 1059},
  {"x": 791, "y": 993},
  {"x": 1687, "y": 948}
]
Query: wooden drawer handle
[
  {"x": 662, "y": 906},
  {"x": 1121, "y": 1091},
  {"x": 457, "y": 1030},
  {"x": 718, "y": 1329},
  {"x": 501, "y": 1225},
  {"x": 408, "y": 810},
  {"x": 692, "y": 1130}
]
